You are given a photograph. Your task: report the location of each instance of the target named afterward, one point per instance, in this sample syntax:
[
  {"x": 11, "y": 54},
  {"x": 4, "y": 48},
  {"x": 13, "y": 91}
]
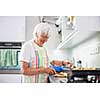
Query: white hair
[{"x": 42, "y": 28}]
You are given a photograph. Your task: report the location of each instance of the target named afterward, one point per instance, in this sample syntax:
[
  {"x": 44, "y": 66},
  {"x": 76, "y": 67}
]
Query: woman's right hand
[{"x": 49, "y": 71}]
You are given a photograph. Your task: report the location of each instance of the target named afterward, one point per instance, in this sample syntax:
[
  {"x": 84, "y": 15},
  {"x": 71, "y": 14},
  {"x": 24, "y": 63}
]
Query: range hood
[{"x": 49, "y": 19}]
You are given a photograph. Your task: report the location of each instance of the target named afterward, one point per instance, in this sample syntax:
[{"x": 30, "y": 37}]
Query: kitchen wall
[
  {"x": 12, "y": 28},
  {"x": 88, "y": 51},
  {"x": 30, "y": 22}
]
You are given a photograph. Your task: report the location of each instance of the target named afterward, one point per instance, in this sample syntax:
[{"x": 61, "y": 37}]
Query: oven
[{"x": 9, "y": 52}]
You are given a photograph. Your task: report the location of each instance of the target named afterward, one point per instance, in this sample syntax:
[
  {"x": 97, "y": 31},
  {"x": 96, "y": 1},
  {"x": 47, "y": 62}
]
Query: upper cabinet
[
  {"x": 12, "y": 28},
  {"x": 76, "y": 29}
]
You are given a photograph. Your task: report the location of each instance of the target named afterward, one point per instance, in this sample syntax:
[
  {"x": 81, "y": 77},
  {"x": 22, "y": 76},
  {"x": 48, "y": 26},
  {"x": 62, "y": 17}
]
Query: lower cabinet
[{"x": 11, "y": 78}]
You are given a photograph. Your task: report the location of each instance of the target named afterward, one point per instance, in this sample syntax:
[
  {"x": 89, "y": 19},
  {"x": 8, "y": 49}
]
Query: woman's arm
[
  {"x": 61, "y": 62},
  {"x": 26, "y": 70},
  {"x": 57, "y": 62},
  {"x": 67, "y": 63}
]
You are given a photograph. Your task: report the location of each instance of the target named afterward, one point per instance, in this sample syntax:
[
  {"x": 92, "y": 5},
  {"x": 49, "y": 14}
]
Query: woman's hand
[
  {"x": 61, "y": 63},
  {"x": 67, "y": 63},
  {"x": 49, "y": 71},
  {"x": 56, "y": 63}
]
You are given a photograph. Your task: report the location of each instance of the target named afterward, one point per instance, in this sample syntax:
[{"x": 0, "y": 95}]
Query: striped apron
[{"x": 41, "y": 60}]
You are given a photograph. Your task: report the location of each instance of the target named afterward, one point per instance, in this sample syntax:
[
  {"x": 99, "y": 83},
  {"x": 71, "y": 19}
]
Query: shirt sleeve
[{"x": 25, "y": 53}]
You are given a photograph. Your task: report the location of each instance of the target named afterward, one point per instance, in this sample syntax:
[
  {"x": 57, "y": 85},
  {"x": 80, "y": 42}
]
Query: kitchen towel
[{"x": 8, "y": 57}]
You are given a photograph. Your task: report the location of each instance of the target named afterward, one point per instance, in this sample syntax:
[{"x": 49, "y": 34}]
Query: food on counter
[
  {"x": 60, "y": 75},
  {"x": 84, "y": 68}
]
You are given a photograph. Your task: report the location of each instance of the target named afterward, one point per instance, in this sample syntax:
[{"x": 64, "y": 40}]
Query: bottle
[{"x": 79, "y": 63}]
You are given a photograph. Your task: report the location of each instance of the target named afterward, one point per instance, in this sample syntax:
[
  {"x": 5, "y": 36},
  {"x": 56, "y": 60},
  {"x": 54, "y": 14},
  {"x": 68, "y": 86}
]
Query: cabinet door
[
  {"x": 67, "y": 28},
  {"x": 10, "y": 78}
]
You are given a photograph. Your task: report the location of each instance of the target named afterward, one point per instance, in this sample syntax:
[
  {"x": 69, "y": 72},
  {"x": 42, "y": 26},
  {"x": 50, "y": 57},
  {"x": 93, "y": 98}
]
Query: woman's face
[{"x": 41, "y": 39}]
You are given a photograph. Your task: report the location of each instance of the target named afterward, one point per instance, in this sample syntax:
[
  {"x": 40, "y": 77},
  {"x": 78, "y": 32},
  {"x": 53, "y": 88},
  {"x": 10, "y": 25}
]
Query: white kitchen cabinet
[
  {"x": 68, "y": 41},
  {"x": 12, "y": 28},
  {"x": 11, "y": 78},
  {"x": 67, "y": 26},
  {"x": 85, "y": 27}
]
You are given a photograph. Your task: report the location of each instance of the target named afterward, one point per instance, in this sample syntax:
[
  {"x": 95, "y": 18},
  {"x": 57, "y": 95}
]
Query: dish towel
[{"x": 8, "y": 57}]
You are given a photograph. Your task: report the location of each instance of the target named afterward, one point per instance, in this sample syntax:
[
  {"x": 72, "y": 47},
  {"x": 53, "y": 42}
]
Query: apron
[{"x": 40, "y": 61}]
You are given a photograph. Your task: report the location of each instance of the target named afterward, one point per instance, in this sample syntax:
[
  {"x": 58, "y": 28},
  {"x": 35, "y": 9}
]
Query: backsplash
[{"x": 88, "y": 52}]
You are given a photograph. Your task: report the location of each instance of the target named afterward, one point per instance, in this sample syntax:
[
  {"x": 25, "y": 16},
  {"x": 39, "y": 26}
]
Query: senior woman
[{"x": 33, "y": 56}]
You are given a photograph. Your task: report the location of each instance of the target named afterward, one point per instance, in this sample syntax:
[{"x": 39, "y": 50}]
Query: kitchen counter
[
  {"x": 10, "y": 72},
  {"x": 86, "y": 72}
]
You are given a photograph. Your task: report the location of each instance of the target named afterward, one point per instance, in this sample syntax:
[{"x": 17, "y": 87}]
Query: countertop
[
  {"x": 10, "y": 72},
  {"x": 86, "y": 72}
]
